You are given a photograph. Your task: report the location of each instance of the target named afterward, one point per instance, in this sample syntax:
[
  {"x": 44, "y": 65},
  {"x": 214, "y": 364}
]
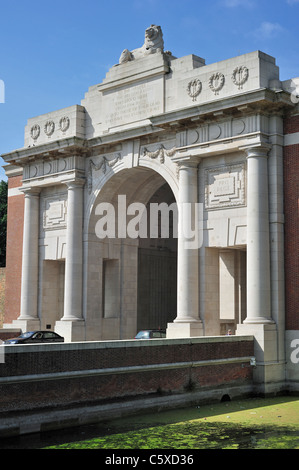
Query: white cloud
[
  {"x": 268, "y": 30},
  {"x": 292, "y": 2}
]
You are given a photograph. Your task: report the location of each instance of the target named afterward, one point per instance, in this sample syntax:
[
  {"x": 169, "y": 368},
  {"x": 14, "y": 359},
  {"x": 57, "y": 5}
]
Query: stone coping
[{"x": 89, "y": 345}]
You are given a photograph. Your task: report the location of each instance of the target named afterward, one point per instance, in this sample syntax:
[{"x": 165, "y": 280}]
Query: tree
[{"x": 3, "y": 221}]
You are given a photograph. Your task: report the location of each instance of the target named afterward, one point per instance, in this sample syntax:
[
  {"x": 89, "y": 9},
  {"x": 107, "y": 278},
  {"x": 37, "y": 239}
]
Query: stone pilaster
[
  {"x": 187, "y": 322},
  {"x": 258, "y": 239},
  {"x": 259, "y": 322},
  {"x": 28, "y": 319},
  {"x": 71, "y": 325}
]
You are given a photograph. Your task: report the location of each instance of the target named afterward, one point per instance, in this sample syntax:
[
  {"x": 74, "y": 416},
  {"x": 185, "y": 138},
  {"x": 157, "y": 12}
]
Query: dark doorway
[{"x": 157, "y": 272}]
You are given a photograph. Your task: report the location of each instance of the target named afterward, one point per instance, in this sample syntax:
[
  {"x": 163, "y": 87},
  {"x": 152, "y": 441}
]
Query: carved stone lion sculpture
[{"x": 153, "y": 43}]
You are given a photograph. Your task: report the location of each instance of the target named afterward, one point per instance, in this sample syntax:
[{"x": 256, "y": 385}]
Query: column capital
[
  {"x": 75, "y": 183},
  {"x": 257, "y": 150},
  {"x": 187, "y": 162},
  {"x": 31, "y": 191}
]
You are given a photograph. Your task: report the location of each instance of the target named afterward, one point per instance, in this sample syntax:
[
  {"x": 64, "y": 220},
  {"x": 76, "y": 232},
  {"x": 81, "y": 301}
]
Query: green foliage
[{"x": 3, "y": 221}]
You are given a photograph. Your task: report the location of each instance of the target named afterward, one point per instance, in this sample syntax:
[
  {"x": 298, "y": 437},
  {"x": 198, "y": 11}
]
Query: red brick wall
[
  {"x": 291, "y": 124},
  {"x": 173, "y": 370},
  {"x": 15, "y": 218},
  {"x": 2, "y": 294},
  {"x": 291, "y": 208}
]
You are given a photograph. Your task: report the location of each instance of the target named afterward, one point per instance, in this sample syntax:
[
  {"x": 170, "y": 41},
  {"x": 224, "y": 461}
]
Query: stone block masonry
[{"x": 48, "y": 384}]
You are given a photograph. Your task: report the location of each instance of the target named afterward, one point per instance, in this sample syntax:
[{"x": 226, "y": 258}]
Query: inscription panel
[
  {"x": 133, "y": 103},
  {"x": 225, "y": 186}
]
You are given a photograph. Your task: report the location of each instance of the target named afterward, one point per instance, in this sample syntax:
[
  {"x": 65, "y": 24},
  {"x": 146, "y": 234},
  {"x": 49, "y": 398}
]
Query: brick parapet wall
[
  {"x": 291, "y": 210},
  {"x": 38, "y": 376}
]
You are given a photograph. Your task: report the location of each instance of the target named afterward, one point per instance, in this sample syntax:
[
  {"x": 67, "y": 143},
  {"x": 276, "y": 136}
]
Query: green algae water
[
  {"x": 271, "y": 423},
  {"x": 244, "y": 424}
]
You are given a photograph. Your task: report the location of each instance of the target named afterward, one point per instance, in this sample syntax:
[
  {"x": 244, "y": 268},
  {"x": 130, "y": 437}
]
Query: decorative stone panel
[
  {"x": 225, "y": 186},
  {"x": 54, "y": 212}
]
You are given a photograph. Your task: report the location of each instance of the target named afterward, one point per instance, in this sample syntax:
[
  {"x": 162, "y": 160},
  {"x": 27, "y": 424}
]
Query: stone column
[
  {"x": 74, "y": 251},
  {"x": 71, "y": 325},
  {"x": 187, "y": 322},
  {"x": 258, "y": 243},
  {"x": 276, "y": 214},
  {"x": 259, "y": 322},
  {"x": 28, "y": 318}
]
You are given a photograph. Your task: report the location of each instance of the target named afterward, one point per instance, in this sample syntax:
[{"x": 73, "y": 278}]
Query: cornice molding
[{"x": 263, "y": 100}]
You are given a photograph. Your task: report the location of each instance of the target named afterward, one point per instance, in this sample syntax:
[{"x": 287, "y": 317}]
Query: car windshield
[
  {"x": 142, "y": 335},
  {"x": 26, "y": 335}
]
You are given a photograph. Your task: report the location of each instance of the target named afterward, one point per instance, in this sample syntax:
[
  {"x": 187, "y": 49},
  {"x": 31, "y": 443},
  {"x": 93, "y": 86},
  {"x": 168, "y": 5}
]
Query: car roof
[
  {"x": 154, "y": 329},
  {"x": 42, "y": 331}
]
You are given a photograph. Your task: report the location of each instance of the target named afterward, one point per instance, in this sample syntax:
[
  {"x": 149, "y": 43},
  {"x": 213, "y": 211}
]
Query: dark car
[
  {"x": 151, "y": 334},
  {"x": 36, "y": 337}
]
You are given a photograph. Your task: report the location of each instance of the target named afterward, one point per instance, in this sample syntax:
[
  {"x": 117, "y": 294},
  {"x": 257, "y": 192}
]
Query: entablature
[
  {"x": 263, "y": 101},
  {"x": 211, "y": 129}
]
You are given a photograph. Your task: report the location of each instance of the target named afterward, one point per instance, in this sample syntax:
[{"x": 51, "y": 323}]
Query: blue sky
[{"x": 51, "y": 52}]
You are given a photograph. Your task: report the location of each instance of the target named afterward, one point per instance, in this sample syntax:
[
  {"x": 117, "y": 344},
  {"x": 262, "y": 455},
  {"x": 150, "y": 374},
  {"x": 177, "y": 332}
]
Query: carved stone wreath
[
  {"x": 64, "y": 123},
  {"x": 194, "y": 88},
  {"x": 160, "y": 152},
  {"x": 49, "y": 128},
  {"x": 216, "y": 82},
  {"x": 35, "y": 131},
  {"x": 240, "y": 76}
]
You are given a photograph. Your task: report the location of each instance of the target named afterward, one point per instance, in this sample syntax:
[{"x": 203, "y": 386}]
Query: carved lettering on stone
[
  {"x": 134, "y": 103},
  {"x": 225, "y": 186}
]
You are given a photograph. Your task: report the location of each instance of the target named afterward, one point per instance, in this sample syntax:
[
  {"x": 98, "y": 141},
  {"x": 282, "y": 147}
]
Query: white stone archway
[{"x": 111, "y": 263}]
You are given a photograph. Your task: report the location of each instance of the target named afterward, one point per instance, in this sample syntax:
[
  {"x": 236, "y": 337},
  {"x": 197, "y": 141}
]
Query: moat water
[{"x": 244, "y": 424}]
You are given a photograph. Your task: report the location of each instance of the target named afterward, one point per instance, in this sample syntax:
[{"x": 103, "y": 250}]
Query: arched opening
[
  {"x": 157, "y": 268},
  {"x": 131, "y": 265},
  {"x": 225, "y": 398}
]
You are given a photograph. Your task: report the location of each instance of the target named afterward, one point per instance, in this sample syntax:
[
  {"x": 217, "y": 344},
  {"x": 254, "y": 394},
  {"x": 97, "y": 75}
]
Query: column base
[
  {"x": 184, "y": 329},
  {"x": 265, "y": 335},
  {"x": 258, "y": 320},
  {"x": 24, "y": 324},
  {"x": 268, "y": 373},
  {"x": 71, "y": 330}
]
